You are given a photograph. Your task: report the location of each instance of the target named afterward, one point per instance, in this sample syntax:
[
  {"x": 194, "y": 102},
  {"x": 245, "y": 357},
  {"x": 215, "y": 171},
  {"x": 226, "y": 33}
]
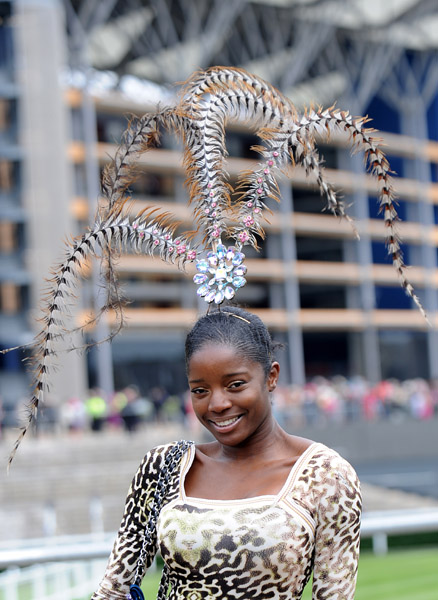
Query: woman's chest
[
  {"x": 219, "y": 482},
  {"x": 256, "y": 530}
]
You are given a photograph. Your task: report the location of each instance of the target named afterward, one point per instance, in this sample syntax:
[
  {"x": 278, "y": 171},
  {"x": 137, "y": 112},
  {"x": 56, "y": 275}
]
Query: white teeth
[{"x": 225, "y": 423}]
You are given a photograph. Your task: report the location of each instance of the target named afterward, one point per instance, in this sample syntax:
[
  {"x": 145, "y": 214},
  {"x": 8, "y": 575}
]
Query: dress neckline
[{"x": 285, "y": 489}]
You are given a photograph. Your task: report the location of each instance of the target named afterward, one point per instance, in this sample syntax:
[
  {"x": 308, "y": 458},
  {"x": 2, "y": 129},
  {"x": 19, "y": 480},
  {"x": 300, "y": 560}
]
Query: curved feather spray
[
  {"x": 226, "y": 94},
  {"x": 207, "y": 102}
]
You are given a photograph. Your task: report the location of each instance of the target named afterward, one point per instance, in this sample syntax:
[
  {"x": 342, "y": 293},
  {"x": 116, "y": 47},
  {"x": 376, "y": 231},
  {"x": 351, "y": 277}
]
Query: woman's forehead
[{"x": 213, "y": 353}]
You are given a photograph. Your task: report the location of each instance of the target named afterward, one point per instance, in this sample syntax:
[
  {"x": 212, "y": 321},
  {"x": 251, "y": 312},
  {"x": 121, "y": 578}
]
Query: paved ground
[{"x": 413, "y": 476}]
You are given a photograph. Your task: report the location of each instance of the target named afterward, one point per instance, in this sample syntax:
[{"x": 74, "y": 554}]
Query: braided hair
[{"x": 237, "y": 328}]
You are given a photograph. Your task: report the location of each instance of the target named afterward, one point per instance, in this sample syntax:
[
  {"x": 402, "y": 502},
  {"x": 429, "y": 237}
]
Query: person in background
[{"x": 96, "y": 410}]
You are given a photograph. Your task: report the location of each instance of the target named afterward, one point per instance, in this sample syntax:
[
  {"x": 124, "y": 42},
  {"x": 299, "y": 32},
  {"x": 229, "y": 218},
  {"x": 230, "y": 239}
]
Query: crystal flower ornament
[{"x": 220, "y": 274}]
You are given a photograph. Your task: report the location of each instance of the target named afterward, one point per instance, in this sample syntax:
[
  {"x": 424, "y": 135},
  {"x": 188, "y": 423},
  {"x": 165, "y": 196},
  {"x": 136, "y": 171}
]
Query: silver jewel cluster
[{"x": 220, "y": 274}]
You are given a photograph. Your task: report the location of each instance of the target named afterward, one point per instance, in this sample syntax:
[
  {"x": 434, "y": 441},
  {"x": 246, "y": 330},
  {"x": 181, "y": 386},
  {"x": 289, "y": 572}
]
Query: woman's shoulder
[
  {"x": 328, "y": 455},
  {"x": 156, "y": 456},
  {"x": 326, "y": 465},
  {"x": 310, "y": 451},
  {"x": 163, "y": 457}
]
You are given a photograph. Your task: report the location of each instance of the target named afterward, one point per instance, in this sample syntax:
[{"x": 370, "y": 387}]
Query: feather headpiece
[{"x": 226, "y": 223}]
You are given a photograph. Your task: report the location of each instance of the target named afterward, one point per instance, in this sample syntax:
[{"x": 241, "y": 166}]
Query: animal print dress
[{"x": 251, "y": 549}]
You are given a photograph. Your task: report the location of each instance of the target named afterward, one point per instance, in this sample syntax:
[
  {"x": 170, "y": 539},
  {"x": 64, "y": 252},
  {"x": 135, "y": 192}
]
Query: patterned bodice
[{"x": 253, "y": 548}]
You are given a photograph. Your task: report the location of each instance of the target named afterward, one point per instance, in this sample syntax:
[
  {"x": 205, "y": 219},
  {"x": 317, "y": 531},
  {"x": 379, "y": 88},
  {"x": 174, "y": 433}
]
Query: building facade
[{"x": 335, "y": 302}]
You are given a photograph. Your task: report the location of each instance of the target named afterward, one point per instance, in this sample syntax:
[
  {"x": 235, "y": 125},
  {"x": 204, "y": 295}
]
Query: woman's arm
[
  {"x": 337, "y": 533},
  {"x": 120, "y": 571}
]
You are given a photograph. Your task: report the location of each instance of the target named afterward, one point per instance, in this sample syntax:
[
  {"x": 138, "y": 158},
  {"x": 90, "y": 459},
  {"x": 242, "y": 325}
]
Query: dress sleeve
[
  {"x": 120, "y": 570},
  {"x": 337, "y": 535}
]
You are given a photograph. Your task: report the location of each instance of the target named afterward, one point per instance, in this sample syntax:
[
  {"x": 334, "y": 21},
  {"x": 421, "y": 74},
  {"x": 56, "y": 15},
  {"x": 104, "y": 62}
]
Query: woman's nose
[{"x": 219, "y": 401}]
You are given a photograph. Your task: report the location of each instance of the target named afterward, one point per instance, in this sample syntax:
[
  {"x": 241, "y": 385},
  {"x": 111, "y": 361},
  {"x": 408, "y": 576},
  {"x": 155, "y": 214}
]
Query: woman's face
[{"x": 230, "y": 394}]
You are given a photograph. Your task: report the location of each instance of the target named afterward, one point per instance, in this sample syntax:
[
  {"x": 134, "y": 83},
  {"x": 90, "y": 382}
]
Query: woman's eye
[
  {"x": 236, "y": 384},
  {"x": 198, "y": 391}
]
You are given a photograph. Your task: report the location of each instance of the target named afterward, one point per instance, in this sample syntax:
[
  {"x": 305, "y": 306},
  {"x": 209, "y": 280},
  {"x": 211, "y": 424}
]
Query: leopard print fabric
[{"x": 264, "y": 547}]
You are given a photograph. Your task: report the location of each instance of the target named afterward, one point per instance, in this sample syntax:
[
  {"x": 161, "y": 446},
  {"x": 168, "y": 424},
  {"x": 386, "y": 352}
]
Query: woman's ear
[{"x": 273, "y": 376}]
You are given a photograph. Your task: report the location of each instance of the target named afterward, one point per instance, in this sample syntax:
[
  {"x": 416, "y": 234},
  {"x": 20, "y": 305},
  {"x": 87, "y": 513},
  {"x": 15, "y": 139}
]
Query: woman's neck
[{"x": 267, "y": 442}]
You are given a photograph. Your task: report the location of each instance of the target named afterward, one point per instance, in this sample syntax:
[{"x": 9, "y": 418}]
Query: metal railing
[
  {"x": 52, "y": 581},
  {"x": 376, "y": 525}
]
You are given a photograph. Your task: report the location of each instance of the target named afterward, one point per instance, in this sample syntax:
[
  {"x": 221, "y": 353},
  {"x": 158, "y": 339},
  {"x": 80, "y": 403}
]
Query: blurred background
[{"x": 360, "y": 365}]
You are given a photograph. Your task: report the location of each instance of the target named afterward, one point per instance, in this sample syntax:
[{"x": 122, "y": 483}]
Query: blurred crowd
[
  {"x": 319, "y": 402},
  {"x": 343, "y": 400}
]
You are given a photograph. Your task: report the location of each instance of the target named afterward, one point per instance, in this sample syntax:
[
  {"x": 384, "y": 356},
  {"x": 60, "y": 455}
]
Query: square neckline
[{"x": 286, "y": 487}]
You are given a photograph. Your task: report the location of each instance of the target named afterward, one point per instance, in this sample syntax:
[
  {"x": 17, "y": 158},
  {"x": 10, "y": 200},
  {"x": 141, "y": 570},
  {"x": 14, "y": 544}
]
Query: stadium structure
[{"x": 71, "y": 71}]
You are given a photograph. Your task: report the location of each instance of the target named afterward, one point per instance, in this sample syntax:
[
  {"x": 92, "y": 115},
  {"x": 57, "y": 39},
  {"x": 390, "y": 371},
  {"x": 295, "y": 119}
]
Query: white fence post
[
  {"x": 38, "y": 581},
  {"x": 380, "y": 543},
  {"x": 12, "y": 578}
]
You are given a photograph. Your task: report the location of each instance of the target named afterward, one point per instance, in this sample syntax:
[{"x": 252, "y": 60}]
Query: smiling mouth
[{"x": 227, "y": 423}]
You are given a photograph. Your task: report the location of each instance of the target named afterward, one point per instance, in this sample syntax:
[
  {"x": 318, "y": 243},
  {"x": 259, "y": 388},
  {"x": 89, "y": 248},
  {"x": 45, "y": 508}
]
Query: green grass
[{"x": 400, "y": 575}]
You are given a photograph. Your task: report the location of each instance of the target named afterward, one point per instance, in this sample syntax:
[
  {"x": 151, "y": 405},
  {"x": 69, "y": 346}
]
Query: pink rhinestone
[
  {"x": 266, "y": 171},
  {"x": 275, "y": 153},
  {"x": 156, "y": 242},
  {"x": 257, "y": 210},
  {"x": 215, "y": 233},
  {"x": 135, "y": 225},
  {"x": 213, "y": 214},
  {"x": 259, "y": 180},
  {"x": 243, "y": 236},
  {"x": 211, "y": 194},
  {"x": 181, "y": 250},
  {"x": 155, "y": 232},
  {"x": 249, "y": 204},
  {"x": 191, "y": 255},
  {"x": 167, "y": 236},
  {"x": 141, "y": 234},
  {"x": 259, "y": 191},
  {"x": 214, "y": 204},
  {"x": 177, "y": 242},
  {"x": 209, "y": 185},
  {"x": 170, "y": 249},
  {"x": 207, "y": 210},
  {"x": 270, "y": 163}
]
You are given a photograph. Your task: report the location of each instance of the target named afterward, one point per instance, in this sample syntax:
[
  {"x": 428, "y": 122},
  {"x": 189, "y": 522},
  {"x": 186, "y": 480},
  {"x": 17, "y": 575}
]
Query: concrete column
[
  {"x": 47, "y": 181},
  {"x": 359, "y": 209},
  {"x": 414, "y": 124},
  {"x": 188, "y": 288},
  {"x": 103, "y": 352},
  {"x": 291, "y": 291}
]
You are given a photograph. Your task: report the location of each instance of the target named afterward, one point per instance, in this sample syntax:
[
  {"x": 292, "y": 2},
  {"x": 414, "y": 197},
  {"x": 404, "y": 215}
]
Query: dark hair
[{"x": 235, "y": 327}]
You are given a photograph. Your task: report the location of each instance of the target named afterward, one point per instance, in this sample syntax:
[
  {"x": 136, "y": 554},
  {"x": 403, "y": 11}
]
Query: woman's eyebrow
[
  {"x": 236, "y": 373},
  {"x": 226, "y": 375}
]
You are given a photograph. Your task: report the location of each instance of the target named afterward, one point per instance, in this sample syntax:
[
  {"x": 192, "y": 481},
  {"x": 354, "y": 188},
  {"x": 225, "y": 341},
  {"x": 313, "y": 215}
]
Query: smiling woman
[{"x": 253, "y": 513}]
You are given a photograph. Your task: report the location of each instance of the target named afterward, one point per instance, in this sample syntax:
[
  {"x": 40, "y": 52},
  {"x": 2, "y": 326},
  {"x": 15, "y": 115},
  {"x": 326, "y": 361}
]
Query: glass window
[
  {"x": 403, "y": 354},
  {"x": 392, "y": 298},
  {"x": 319, "y": 249},
  {"x": 322, "y": 296},
  {"x": 325, "y": 353}
]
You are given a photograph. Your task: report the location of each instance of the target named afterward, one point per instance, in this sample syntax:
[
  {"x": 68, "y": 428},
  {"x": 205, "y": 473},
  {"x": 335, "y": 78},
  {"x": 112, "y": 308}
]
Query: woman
[{"x": 253, "y": 513}]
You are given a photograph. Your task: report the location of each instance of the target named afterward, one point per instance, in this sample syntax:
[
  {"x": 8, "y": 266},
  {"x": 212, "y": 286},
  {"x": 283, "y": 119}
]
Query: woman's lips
[{"x": 225, "y": 425}]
